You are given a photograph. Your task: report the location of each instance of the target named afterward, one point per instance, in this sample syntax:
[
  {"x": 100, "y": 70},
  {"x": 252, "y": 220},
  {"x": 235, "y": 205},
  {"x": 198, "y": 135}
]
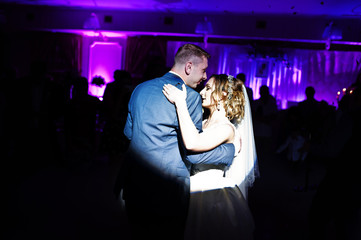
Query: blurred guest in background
[
  {"x": 242, "y": 77},
  {"x": 114, "y": 113},
  {"x": 336, "y": 205},
  {"x": 264, "y": 114},
  {"x": 80, "y": 122},
  {"x": 310, "y": 111}
]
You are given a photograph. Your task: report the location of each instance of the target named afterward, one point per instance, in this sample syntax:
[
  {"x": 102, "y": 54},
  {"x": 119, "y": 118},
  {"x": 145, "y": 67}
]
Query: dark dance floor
[{"x": 76, "y": 202}]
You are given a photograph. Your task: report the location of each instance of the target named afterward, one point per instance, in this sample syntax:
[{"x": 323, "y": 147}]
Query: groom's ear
[{"x": 188, "y": 67}]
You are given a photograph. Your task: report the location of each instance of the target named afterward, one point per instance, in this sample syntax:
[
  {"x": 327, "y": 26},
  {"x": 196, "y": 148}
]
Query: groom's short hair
[{"x": 187, "y": 51}]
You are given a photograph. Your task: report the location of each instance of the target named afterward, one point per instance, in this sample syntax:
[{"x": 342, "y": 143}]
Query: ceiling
[{"x": 337, "y": 8}]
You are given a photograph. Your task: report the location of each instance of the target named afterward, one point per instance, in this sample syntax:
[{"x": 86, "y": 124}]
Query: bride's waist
[
  {"x": 218, "y": 173},
  {"x": 196, "y": 168},
  {"x": 209, "y": 180}
]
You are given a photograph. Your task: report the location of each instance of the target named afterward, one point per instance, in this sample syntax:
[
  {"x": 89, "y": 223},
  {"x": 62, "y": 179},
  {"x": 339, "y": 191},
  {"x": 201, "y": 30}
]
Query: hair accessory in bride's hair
[{"x": 230, "y": 90}]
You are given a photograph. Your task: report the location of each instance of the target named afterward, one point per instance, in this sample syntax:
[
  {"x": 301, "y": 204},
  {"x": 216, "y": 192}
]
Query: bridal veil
[{"x": 244, "y": 168}]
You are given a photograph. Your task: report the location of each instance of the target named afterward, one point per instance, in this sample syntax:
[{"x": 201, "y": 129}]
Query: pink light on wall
[{"x": 104, "y": 59}]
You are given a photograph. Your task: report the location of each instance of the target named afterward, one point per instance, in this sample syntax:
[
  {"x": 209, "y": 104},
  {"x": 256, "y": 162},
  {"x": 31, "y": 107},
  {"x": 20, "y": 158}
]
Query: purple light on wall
[
  {"x": 104, "y": 59},
  {"x": 93, "y": 33},
  {"x": 287, "y": 78},
  {"x": 108, "y": 34},
  {"x": 294, "y": 76}
]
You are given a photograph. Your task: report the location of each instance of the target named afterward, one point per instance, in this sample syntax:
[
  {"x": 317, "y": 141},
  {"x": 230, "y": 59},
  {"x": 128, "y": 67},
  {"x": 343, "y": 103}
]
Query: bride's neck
[{"x": 216, "y": 116}]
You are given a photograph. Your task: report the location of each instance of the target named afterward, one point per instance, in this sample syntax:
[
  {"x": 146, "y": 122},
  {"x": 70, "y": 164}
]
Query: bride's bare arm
[{"x": 193, "y": 140}]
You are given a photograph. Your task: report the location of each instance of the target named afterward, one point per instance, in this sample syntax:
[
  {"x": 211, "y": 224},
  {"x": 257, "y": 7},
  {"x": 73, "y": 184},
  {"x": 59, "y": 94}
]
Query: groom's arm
[
  {"x": 128, "y": 128},
  {"x": 214, "y": 156}
]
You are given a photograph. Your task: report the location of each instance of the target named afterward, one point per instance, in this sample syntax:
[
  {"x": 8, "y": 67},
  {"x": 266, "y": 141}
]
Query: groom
[{"x": 156, "y": 188}]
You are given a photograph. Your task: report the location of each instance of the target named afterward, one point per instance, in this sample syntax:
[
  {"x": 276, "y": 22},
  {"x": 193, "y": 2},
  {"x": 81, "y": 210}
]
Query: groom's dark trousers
[{"x": 156, "y": 185}]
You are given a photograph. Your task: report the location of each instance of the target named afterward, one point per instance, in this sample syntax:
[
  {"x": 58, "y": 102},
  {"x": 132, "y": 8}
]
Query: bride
[{"x": 218, "y": 208}]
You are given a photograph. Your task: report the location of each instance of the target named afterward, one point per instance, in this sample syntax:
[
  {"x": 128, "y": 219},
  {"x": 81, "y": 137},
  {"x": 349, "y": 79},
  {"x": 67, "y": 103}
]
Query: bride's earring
[{"x": 219, "y": 105}]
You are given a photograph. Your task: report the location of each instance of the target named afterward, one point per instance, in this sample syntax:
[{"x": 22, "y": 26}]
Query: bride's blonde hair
[{"x": 234, "y": 100}]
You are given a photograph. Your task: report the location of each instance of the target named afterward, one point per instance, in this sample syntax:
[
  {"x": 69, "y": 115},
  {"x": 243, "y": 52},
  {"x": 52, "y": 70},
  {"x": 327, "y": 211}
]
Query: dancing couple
[{"x": 185, "y": 177}]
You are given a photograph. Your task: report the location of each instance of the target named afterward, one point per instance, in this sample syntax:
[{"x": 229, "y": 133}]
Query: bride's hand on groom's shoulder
[{"x": 175, "y": 95}]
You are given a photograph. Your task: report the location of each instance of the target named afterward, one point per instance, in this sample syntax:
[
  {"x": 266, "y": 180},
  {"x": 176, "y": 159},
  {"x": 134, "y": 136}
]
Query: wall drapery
[
  {"x": 145, "y": 57},
  {"x": 287, "y": 72},
  {"x": 60, "y": 51}
]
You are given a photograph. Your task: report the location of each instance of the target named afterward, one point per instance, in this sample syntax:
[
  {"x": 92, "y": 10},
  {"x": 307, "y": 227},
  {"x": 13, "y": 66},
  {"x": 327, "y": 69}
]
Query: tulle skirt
[{"x": 217, "y": 209}]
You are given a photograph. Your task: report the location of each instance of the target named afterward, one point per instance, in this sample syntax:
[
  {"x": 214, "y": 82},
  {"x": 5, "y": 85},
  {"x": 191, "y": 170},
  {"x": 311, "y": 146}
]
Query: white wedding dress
[{"x": 217, "y": 207}]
